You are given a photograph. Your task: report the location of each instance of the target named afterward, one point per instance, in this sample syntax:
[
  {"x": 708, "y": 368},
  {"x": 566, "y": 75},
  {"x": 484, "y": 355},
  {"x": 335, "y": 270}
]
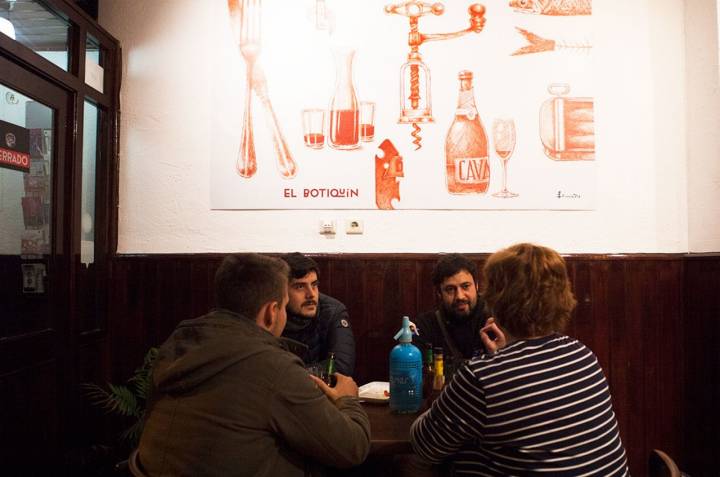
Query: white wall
[
  {"x": 645, "y": 164},
  {"x": 703, "y": 113}
]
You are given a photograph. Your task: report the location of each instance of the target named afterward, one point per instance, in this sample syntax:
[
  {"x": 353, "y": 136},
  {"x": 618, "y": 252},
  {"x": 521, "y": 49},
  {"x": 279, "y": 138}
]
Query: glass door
[
  {"x": 35, "y": 269},
  {"x": 26, "y": 177}
]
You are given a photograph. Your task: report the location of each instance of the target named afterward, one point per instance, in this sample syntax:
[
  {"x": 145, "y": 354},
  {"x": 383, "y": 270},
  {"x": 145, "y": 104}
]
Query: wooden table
[
  {"x": 389, "y": 433},
  {"x": 389, "y": 443}
]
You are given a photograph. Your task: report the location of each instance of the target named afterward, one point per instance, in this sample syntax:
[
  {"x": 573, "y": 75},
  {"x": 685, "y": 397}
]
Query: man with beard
[
  {"x": 455, "y": 325},
  {"x": 317, "y": 320}
]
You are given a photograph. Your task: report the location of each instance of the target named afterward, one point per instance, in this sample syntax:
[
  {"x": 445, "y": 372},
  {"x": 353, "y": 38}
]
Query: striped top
[{"x": 536, "y": 407}]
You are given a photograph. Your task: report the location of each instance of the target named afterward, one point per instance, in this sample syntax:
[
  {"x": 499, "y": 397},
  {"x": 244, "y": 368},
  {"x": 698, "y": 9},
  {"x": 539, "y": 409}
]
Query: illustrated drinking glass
[
  {"x": 313, "y": 127},
  {"x": 367, "y": 121},
  {"x": 503, "y": 131}
]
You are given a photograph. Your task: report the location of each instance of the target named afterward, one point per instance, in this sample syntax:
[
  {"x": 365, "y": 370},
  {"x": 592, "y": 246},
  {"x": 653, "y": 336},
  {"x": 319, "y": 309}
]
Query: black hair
[
  {"x": 451, "y": 264},
  {"x": 300, "y": 265}
]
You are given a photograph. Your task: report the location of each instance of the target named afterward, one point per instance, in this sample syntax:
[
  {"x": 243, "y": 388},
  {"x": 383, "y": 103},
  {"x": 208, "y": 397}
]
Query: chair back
[
  {"x": 135, "y": 466},
  {"x": 662, "y": 465}
]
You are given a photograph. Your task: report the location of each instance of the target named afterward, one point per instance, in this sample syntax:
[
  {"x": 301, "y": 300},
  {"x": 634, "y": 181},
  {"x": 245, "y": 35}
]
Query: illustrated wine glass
[{"x": 503, "y": 131}]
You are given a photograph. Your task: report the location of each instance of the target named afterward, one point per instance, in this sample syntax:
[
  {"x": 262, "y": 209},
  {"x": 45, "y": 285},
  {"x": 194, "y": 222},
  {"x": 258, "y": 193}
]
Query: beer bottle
[
  {"x": 439, "y": 379},
  {"x": 428, "y": 372},
  {"x": 330, "y": 379}
]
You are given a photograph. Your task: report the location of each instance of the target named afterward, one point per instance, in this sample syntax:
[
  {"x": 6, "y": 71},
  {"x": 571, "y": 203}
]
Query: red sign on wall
[{"x": 14, "y": 147}]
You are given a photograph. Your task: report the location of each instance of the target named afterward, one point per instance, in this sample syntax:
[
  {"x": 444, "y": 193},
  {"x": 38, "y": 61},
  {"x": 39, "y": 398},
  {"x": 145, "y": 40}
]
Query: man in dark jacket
[
  {"x": 455, "y": 324},
  {"x": 228, "y": 400},
  {"x": 318, "y": 321}
]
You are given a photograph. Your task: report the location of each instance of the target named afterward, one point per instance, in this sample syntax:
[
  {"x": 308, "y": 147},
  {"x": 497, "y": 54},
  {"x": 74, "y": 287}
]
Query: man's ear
[{"x": 267, "y": 315}]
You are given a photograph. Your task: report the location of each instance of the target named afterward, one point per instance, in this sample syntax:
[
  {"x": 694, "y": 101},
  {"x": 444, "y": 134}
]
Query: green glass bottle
[
  {"x": 330, "y": 380},
  {"x": 428, "y": 372}
]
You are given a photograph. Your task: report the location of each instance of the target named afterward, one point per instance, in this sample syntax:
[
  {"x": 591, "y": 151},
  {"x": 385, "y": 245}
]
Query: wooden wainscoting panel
[
  {"x": 588, "y": 323},
  {"x": 92, "y": 424},
  {"x": 599, "y": 339},
  {"x": 700, "y": 376},
  {"x": 378, "y": 312},
  {"x": 630, "y": 350},
  {"x": 30, "y": 429},
  {"x": 127, "y": 321},
  {"x": 202, "y": 294},
  {"x": 618, "y": 351},
  {"x": 630, "y": 313},
  {"x": 662, "y": 341}
]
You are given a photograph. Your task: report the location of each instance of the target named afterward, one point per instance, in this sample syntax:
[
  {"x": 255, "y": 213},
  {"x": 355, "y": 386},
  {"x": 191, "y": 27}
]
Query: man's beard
[{"x": 452, "y": 315}]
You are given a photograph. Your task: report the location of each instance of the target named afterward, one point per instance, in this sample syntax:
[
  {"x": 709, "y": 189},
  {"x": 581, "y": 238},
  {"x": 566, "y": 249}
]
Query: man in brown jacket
[{"x": 229, "y": 400}]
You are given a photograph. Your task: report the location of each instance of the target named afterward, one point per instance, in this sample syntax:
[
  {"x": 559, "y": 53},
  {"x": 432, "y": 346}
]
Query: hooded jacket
[{"x": 230, "y": 401}]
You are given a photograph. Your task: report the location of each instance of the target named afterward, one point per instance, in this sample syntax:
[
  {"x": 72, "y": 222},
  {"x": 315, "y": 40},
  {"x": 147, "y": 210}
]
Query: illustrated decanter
[
  {"x": 466, "y": 145},
  {"x": 344, "y": 112}
]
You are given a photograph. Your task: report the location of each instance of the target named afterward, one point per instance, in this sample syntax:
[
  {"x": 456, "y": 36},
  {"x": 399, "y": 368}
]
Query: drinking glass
[
  {"x": 313, "y": 127},
  {"x": 503, "y": 131},
  {"x": 317, "y": 370},
  {"x": 367, "y": 121}
]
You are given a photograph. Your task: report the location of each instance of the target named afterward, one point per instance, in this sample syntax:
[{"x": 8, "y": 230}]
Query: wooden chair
[
  {"x": 134, "y": 464},
  {"x": 661, "y": 465}
]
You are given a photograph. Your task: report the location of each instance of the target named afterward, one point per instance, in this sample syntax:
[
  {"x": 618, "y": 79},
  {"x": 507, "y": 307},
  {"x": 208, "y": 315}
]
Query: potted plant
[{"x": 128, "y": 400}]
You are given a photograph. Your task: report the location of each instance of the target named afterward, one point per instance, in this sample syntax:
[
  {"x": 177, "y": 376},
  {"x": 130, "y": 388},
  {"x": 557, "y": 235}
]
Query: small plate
[{"x": 374, "y": 392}]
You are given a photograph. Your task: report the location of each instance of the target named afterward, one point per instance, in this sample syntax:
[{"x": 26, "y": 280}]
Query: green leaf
[
  {"x": 96, "y": 394},
  {"x": 123, "y": 400},
  {"x": 142, "y": 379},
  {"x": 126, "y": 400}
]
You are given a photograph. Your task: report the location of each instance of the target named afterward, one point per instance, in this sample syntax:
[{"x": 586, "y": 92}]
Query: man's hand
[
  {"x": 345, "y": 386},
  {"x": 492, "y": 337}
]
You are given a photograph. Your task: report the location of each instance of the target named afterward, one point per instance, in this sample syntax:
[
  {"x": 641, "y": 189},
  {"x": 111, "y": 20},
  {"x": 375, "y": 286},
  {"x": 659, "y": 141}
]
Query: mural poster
[{"x": 350, "y": 104}]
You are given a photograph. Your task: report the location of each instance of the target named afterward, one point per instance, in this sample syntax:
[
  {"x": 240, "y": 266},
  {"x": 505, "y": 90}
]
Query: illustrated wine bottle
[{"x": 466, "y": 145}]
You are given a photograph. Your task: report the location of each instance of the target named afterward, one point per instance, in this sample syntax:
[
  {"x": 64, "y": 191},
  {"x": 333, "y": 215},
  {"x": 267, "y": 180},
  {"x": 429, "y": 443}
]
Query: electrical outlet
[
  {"x": 354, "y": 227},
  {"x": 327, "y": 227}
]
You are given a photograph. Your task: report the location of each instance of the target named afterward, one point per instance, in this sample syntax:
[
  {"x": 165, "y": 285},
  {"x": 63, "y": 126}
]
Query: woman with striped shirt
[{"x": 538, "y": 404}]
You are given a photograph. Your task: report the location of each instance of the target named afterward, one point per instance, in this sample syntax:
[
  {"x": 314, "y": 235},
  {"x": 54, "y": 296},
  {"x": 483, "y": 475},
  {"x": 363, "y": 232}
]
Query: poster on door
[
  {"x": 14, "y": 147},
  {"x": 322, "y": 104}
]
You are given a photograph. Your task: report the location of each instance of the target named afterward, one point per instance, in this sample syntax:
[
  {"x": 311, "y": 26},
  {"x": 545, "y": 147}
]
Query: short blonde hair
[{"x": 527, "y": 290}]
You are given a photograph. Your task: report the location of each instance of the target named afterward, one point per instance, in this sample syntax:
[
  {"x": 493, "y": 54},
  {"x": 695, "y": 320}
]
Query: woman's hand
[{"x": 492, "y": 337}]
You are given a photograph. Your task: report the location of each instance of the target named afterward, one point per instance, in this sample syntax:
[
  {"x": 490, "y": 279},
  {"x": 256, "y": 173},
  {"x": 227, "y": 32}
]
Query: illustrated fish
[
  {"x": 538, "y": 44},
  {"x": 553, "y": 7}
]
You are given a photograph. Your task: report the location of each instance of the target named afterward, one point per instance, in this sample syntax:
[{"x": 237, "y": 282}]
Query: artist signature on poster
[
  {"x": 567, "y": 195},
  {"x": 320, "y": 192}
]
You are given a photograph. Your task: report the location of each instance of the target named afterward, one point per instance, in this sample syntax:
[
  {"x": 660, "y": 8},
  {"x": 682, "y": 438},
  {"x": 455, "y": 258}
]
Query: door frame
[
  {"x": 40, "y": 371},
  {"x": 45, "y": 352}
]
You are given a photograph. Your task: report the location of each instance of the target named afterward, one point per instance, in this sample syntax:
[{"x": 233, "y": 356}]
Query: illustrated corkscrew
[
  {"x": 415, "y": 106},
  {"x": 245, "y": 17},
  {"x": 388, "y": 171}
]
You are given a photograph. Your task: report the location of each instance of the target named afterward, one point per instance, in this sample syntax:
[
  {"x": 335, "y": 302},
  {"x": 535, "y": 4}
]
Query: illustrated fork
[{"x": 248, "y": 16}]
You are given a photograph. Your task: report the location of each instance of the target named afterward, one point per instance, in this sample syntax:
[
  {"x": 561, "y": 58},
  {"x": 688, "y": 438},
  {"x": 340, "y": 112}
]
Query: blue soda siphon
[{"x": 405, "y": 373}]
